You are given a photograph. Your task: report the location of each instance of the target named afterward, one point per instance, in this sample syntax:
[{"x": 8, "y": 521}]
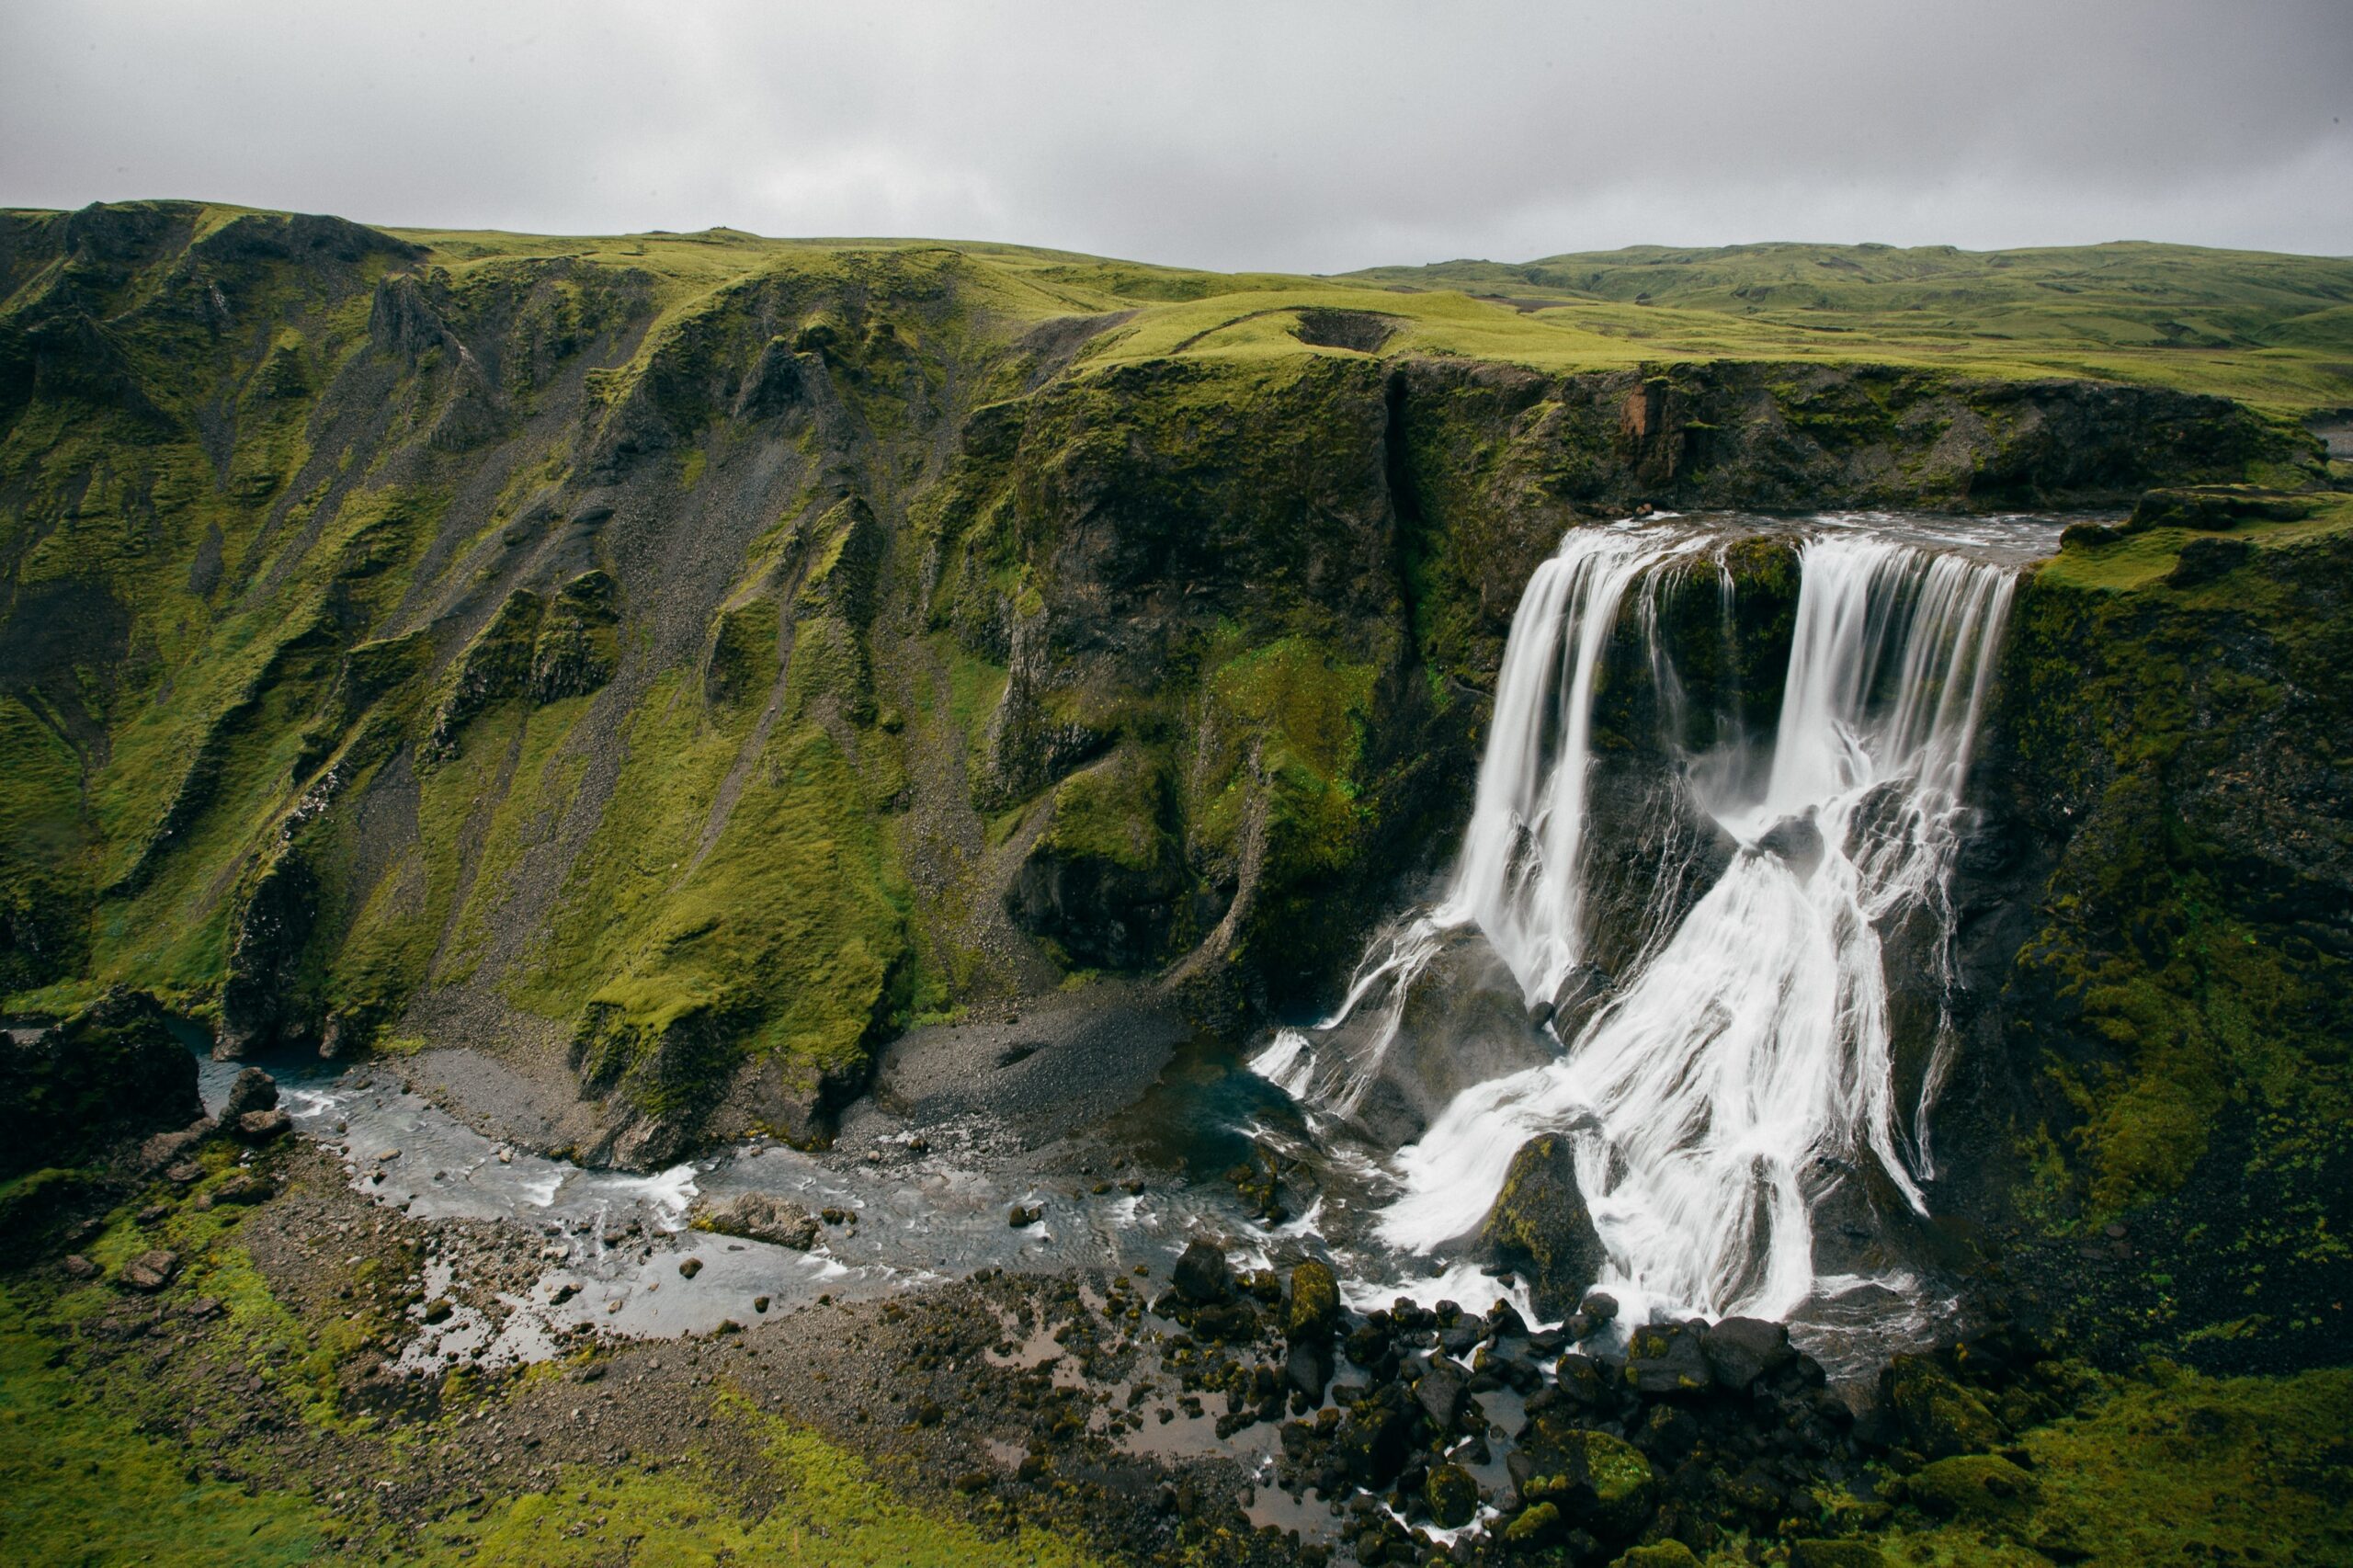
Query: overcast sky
[{"x": 1299, "y": 137}]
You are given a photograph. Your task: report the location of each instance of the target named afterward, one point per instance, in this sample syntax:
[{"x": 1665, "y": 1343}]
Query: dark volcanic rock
[
  {"x": 1666, "y": 1359},
  {"x": 1741, "y": 1350},
  {"x": 1201, "y": 1275},
  {"x": 1539, "y": 1226},
  {"x": 111, "y": 1070}
]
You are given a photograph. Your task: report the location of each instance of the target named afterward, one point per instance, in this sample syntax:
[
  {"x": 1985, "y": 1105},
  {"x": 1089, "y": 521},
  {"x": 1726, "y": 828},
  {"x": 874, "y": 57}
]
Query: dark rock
[
  {"x": 1602, "y": 1482},
  {"x": 167, "y": 1149},
  {"x": 111, "y": 1070},
  {"x": 1452, "y": 1495},
  {"x": 689, "y": 1267},
  {"x": 251, "y": 1090},
  {"x": 1939, "y": 1418},
  {"x": 1666, "y": 1358},
  {"x": 2204, "y": 559},
  {"x": 150, "y": 1271},
  {"x": 1443, "y": 1392},
  {"x": 1539, "y": 1226},
  {"x": 79, "y": 1268},
  {"x": 1598, "y": 1308},
  {"x": 1308, "y": 1367},
  {"x": 1741, "y": 1350},
  {"x": 1201, "y": 1275},
  {"x": 1020, "y": 1216},
  {"x": 1374, "y": 1439}
]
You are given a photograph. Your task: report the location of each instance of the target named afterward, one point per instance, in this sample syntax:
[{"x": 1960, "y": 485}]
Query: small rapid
[{"x": 1721, "y": 1087}]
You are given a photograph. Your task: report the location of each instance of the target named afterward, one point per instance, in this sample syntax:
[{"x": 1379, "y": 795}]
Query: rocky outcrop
[{"x": 109, "y": 1072}]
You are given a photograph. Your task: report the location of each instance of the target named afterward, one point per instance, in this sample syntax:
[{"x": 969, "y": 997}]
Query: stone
[
  {"x": 1444, "y": 1394},
  {"x": 1308, "y": 1367},
  {"x": 1939, "y": 1418},
  {"x": 1540, "y": 1227},
  {"x": 1452, "y": 1495},
  {"x": 1659, "y": 1554},
  {"x": 1374, "y": 1440},
  {"x": 1741, "y": 1350},
  {"x": 762, "y": 1217},
  {"x": 1666, "y": 1358},
  {"x": 245, "y": 1188},
  {"x": 1201, "y": 1275},
  {"x": 79, "y": 1268},
  {"x": 1602, "y": 1482},
  {"x": 262, "y": 1126},
  {"x": 1598, "y": 1308},
  {"x": 150, "y": 1271},
  {"x": 111, "y": 1070},
  {"x": 251, "y": 1090},
  {"x": 1313, "y": 1311},
  {"x": 1019, "y": 1217},
  {"x": 689, "y": 1267},
  {"x": 1533, "y": 1527},
  {"x": 1976, "y": 1487}
]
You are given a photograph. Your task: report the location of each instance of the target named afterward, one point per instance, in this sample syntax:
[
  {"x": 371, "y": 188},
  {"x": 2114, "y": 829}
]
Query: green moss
[
  {"x": 1116, "y": 811},
  {"x": 2176, "y": 1469}
]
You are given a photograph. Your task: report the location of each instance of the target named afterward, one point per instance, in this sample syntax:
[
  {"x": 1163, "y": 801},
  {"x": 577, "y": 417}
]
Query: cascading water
[{"x": 1743, "y": 1063}]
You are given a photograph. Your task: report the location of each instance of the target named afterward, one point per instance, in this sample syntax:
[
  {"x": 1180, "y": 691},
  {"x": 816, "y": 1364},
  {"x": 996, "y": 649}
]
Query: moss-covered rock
[{"x": 1540, "y": 1226}]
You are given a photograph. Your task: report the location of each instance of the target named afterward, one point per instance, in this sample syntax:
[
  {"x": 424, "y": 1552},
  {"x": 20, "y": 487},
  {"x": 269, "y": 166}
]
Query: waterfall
[{"x": 1746, "y": 1059}]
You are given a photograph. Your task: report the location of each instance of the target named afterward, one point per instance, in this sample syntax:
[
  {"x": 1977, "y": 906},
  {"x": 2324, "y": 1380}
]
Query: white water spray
[{"x": 1747, "y": 1057}]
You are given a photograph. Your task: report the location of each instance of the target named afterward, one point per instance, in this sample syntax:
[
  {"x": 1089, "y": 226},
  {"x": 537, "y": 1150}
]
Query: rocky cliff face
[{"x": 689, "y": 664}]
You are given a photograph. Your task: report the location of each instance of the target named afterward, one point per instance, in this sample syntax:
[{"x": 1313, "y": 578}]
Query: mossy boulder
[
  {"x": 1534, "y": 1527},
  {"x": 1973, "y": 1487},
  {"x": 1603, "y": 1483},
  {"x": 1939, "y": 1416},
  {"x": 1452, "y": 1495},
  {"x": 1540, "y": 1226},
  {"x": 1313, "y": 1311},
  {"x": 1658, "y": 1554}
]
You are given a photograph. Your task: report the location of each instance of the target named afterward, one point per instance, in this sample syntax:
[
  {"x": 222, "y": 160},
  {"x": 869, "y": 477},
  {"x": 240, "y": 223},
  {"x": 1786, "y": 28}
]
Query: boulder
[
  {"x": 262, "y": 1126},
  {"x": 1533, "y": 1527},
  {"x": 1452, "y": 1495},
  {"x": 1982, "y": 1488},
  {"x": 253, "y": 1090},
  {"x": 1308, "y": 1367},
  {"x": 1658, "y": 1554},
  {"x": 1375, "y": 1439},
  {"x": 150, "y": 1271},
  {"x": 1541, "y": 1228},
  {"x": 110, "y": 1072},
  {"x": 1939, "y": 1418},
  {"x": 245, "y": 1188},
  {"x": 1741, "y": 1350},
  {"x": 1444, "y": 1394},
  {"x": 1665, "y": 1358},
  {"x": 761, "y": 1217},
  {"x": 1201, "y": 1275},
  {"x": 1314, "y": 1310},
  {"x": 1602, "y": 1482}
]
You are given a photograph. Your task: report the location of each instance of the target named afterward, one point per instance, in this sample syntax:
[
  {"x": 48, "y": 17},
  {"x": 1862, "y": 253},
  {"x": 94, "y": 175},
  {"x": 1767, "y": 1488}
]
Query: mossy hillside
[
  {"x": 2178, "y": 1006},
  {"x": 2262, "y": 328}
]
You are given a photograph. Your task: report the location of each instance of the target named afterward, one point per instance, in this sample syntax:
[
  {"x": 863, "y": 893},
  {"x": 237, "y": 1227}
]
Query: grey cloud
[{"x": 1310, "y": 136}]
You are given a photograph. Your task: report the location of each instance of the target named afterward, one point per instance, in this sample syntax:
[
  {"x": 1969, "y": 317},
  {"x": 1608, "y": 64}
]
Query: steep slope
[{"x": 676, "y": 662}]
